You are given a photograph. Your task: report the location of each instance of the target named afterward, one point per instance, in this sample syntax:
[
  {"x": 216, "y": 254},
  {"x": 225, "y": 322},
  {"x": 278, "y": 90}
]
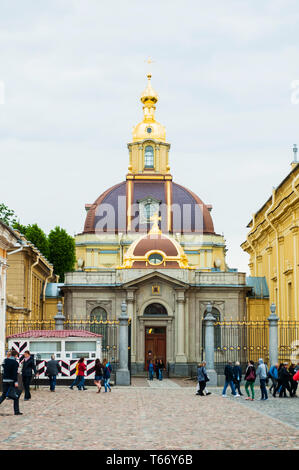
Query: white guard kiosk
[{"x": 67, "y": 345}]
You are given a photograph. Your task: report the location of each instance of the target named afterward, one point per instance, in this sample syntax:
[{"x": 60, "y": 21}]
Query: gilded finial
[{"x": 155, "y": 229}]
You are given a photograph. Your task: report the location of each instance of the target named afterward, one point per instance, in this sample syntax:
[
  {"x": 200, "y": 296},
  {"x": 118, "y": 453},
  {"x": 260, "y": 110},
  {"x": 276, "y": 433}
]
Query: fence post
[
  {"x": 59, "y": 318},
  {"x": 273, "y": 336},
  {"x": 122, "y": 374},
  {"x": 209, "y": 345}
]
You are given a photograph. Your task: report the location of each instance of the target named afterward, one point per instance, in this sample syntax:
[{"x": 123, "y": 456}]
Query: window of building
[
  {"x": 155, "y": 258},
  {"x": 97, "y": 317},
  {"x": 155, "y": 309},
  {"x": 149, "y": 157}
]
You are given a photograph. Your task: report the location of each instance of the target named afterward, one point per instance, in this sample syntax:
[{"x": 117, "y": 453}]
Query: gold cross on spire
[{"x": 149, "y": 61}]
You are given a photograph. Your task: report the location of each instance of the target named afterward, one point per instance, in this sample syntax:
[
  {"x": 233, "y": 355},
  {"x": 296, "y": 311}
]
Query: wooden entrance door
[{"x": 155, "y": 344}]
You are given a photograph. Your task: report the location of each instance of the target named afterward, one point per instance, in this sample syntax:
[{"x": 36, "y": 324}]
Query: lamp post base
[{"x": 122, "y": 377}]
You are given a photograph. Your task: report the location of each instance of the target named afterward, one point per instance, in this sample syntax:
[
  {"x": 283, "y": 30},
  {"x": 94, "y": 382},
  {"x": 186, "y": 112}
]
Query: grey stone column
[
  {"x": 209, "y": 345},
  {"x": 123, "y": 374},
  {"x": 273, "y": 336},
  {"x": 59, "y": 318}
]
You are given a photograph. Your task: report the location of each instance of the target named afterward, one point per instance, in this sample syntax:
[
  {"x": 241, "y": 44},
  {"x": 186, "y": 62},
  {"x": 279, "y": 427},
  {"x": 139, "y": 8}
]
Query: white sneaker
[
  {"x": 237, "y": 395},
  {"x": 224, "y": 396}
]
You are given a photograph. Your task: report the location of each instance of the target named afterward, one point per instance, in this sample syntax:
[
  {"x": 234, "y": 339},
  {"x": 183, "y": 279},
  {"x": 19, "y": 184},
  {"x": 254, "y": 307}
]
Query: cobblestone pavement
[{"x": 165, "y": 416}]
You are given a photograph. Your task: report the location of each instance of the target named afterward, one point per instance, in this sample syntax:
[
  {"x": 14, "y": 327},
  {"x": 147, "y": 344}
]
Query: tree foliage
[
  {"x": 58, "y": 247},
  {"x": 7, "y": 215},
  {"x": 61, "y": 251},
  {"x": 39, "y": 239}
]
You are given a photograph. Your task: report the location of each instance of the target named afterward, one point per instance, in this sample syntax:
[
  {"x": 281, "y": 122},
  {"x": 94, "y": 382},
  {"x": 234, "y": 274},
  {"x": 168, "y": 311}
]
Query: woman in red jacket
[{"x": 81, "y": 372}]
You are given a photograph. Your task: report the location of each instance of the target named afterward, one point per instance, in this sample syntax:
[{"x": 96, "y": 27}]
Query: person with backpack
[
  {"x": 99, "y": 374},
  {"x": 107, "y": 374},
  {"x": 250, "y": 376},
  {"x": 273, "y": 375},
  {"x": 262, "y": 373}
]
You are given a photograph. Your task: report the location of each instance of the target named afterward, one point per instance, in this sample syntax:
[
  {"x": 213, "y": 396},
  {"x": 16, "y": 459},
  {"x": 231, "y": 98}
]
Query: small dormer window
[{"x": 149, "y": 157}]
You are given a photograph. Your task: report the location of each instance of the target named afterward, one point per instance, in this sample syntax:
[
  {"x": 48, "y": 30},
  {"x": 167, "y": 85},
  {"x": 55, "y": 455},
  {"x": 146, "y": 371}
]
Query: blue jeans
[
  {"x": 160, "y": 374},
  {"x": 52, "y": 382},
  {"x": 151, "y": 374},
  {"x": 76, "y": 381},
  {"x": 81, "y": 382},
  {"x": 263, "y": 388},
  {"x": 227, "y": 383},
  {"x": 107, "y": 384}
]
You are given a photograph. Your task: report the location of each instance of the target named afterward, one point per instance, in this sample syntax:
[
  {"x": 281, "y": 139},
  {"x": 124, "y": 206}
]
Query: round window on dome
[
  {"x": 155, "y": 258},
  {"x": 149, "y": 130}
]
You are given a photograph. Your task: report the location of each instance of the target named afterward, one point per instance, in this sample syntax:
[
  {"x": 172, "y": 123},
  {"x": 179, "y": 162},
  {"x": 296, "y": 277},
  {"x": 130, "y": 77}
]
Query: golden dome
[
  {"x": 149, "y": 128},
  {"x": 149, "y": 94}
]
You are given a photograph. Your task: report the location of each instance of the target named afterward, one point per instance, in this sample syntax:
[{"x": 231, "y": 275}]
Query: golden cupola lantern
[{"x": 149, "y": 127}]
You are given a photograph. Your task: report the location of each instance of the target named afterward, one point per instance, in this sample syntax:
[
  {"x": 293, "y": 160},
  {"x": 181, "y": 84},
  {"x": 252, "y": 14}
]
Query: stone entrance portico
[{"x": 184, "y": 296}]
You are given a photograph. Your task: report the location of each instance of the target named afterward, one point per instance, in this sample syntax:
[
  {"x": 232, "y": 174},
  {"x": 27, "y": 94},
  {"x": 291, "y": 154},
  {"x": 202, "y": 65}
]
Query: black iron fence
[
  {"x": 288, "y": 341},
  {"x": 249, "y": 340}
]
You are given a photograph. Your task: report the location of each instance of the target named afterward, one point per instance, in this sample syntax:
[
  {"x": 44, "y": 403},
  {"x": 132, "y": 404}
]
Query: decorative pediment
[{"x": 154, "y": 277}]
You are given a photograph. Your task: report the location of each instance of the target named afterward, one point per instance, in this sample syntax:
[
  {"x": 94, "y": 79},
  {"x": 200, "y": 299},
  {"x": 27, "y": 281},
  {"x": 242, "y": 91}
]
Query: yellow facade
[
  {"x": 28, "y": 274},
  {"x": 273, "y": 246}
]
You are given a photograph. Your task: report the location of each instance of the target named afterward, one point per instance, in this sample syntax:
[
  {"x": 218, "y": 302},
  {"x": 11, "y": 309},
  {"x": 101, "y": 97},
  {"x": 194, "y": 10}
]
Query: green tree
[
  {"x": 7, "y": 215},
  {"x": 21, "y": 228},
  {"x": 61, "y": 251},
  {"x": 39, "y": 239}
]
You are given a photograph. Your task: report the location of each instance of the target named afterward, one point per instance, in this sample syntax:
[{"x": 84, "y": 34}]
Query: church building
[{"x": 151, "y": 242}]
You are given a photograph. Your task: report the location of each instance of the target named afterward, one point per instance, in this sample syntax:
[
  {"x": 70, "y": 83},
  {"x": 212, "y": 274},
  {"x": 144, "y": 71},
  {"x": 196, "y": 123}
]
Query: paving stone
[{"x": 148, "y": 416}]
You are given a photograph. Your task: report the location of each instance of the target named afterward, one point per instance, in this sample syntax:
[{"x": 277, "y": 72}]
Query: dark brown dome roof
[
  {"x": 155, "y": 242},
  {"x": 98, "y": 220}
]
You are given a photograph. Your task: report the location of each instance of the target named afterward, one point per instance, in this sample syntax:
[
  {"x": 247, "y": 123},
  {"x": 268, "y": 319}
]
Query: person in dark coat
[
  {"x": 250, "y": 376},
  {"x": 229, "y": 380},
  {"x": 10, "y": 379},
  {"x": 157, "y": 368},
  {"x": 161, "y": 367},
  {"x": 53, "y": 369},
  {"x": 28, "y": 367},
  {"x": 237, "y": 371},
  {"x": 284, "y": 378}
]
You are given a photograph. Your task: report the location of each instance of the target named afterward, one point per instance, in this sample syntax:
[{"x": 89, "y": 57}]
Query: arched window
[
  {"x": 149, "y": 157},
  {"x": 155, "y": 309},
  {"x": 97, "y": 316},
  {"x": 217, "y": 329}
]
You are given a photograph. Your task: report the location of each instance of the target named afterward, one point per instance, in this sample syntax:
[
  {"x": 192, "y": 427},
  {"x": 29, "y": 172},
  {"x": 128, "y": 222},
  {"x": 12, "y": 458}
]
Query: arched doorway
[{"x": 155, "y": 336}]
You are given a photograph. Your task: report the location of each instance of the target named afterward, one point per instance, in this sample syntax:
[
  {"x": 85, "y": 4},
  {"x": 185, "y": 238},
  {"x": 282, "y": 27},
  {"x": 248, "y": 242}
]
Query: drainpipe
[
  {"x": 294, "y": 183},
  {"x": 277, "y": 247},
  {"x": 31, "y": 277},
  {"x": 251, "y": 245}
]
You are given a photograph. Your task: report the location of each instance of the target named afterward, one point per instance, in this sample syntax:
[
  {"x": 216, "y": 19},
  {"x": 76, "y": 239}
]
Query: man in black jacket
[
  {"x": 229, "y": 380},
  {"x": 53, "y": 369},
  {"x": 28, "y": 367},
  {"x": 10, "y": 379}
]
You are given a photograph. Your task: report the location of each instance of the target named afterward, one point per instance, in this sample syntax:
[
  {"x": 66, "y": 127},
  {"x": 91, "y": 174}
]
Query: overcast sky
[{"x": 73, "y": 72}]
